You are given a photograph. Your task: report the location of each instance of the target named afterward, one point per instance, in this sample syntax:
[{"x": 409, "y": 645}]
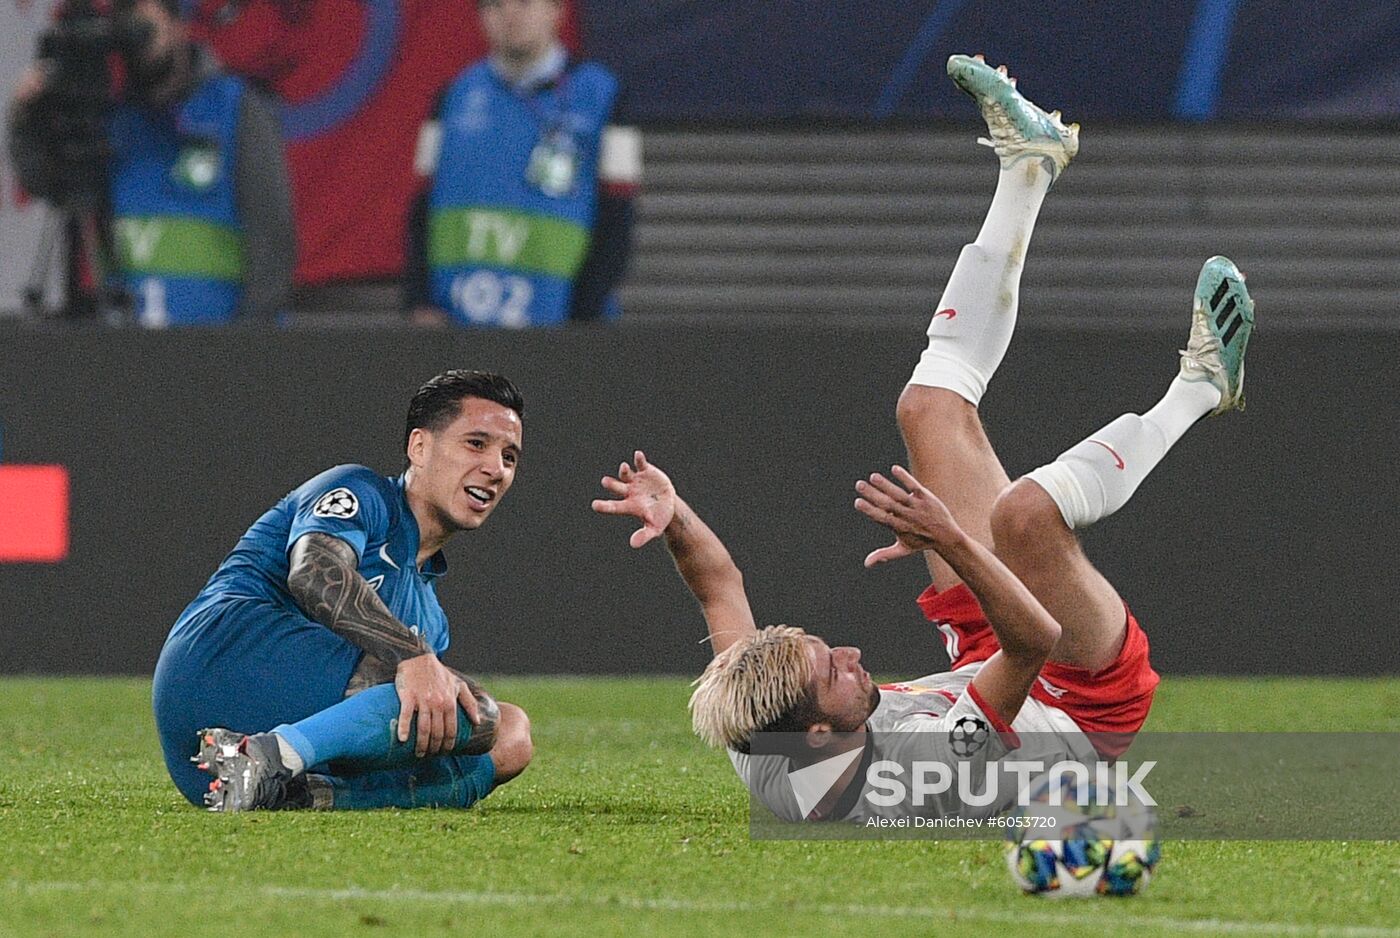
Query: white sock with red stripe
[
  {"x": 968, "y": 335},
  {"x": 1095, "y": 478}
]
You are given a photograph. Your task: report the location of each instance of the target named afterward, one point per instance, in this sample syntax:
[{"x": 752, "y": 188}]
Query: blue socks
[
  {"x": 443, "y": 782},
  {"x": 360, "y": 734}
]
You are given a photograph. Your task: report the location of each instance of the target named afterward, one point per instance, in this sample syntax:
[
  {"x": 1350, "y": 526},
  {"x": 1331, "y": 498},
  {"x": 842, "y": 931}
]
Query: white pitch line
[{"x": 1212, "y": 926}]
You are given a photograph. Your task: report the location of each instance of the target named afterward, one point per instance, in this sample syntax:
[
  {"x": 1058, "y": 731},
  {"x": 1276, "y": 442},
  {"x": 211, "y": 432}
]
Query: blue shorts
[{"x": 244, "y": 664}]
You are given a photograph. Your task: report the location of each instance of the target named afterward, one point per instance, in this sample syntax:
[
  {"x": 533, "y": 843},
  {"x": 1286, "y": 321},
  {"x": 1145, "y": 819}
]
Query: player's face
[
  {"x": 465, "y": 469},
  {"x": 167, "y": 32},
  {"x": 520, "y": 29},
  {"x": 845, "y": 694}
]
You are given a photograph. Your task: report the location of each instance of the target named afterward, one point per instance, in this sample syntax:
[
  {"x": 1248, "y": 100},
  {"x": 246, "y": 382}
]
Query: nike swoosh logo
[
  {"x": 384, "y": 554},
  {"x": 949, "y": 312},
  {"x": 1116, "y": 458}
]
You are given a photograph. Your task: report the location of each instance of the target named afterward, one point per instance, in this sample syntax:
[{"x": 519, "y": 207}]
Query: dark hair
[
  {"x": 439, "y": 400},
  {"x": 796, "y": 720}
]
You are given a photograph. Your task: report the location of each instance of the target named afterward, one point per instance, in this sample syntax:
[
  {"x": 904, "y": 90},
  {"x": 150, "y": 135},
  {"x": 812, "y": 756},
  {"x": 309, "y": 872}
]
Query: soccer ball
[{"x": 1100, "y": 850}]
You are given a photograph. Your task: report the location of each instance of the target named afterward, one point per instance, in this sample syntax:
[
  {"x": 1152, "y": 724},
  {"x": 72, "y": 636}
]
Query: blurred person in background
[
  {"x": 526, "y": 219},
  {"x": 182, "y": 169}
]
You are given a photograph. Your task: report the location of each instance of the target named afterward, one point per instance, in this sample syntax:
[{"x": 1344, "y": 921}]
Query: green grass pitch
[{"x": 624, "y": 824}]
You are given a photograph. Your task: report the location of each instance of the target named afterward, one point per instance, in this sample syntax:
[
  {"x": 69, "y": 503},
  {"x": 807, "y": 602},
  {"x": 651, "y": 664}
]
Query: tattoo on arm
[{"x": 326, "y": 584}]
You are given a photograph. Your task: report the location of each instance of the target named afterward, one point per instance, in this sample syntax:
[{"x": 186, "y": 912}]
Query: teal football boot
[
  {"x": 1019, "y": 130},
  {"x": 1222, "y": 320}
]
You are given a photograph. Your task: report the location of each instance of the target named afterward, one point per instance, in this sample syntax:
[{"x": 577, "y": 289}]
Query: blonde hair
[{"x": 750, "y": 685}]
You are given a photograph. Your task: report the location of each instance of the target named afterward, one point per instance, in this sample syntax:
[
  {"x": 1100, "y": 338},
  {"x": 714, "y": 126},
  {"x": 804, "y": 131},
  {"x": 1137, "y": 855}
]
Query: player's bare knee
[
  {"x": 514, "y": 746},
  {"x": 922, "y": 410},
  {"x": 1025, "y": 520}
]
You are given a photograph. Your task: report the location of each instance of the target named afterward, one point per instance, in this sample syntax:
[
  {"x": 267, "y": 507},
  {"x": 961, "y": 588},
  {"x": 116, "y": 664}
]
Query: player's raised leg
[
  {"x": 971, "y": 329},
  {"x": 1034, "y": 520}
]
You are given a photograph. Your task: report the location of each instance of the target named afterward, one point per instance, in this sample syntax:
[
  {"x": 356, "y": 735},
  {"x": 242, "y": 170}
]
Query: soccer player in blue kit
[{"x": 306, "y": 673}]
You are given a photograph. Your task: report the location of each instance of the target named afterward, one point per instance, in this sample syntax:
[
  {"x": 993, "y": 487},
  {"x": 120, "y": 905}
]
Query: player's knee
[
  {"x": 514, "y": 746},
  {"x": 1025, "y": 521},
  {"x": 921, "y": 410}
]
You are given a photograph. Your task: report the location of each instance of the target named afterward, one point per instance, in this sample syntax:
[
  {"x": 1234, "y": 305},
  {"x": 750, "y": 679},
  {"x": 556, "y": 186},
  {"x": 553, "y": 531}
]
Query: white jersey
[{"x": 932, "y": 719}]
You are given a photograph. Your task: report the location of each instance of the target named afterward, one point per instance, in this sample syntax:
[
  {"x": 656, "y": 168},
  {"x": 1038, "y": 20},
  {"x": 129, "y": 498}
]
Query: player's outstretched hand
[
  {"x": 919, "y": 520},
  {"x": 644, "y": 492},
  {"x": 429, "y": 689}
]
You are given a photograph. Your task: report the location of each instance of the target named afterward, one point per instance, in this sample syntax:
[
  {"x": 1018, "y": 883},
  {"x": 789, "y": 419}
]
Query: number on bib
[
  {"x": 485, "y": 297},
  {"x": 154, "y": 314}
]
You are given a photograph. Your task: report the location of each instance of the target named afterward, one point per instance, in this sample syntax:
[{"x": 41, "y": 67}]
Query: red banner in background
[
  {"x": 356, "y": 79},
  {"x": 33, "y": 514}
]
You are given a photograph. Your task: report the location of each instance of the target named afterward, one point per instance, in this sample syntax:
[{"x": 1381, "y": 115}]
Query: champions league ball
[
  {"x": 1083, "y": 866},
  {"x": 1107, "y": 849}
]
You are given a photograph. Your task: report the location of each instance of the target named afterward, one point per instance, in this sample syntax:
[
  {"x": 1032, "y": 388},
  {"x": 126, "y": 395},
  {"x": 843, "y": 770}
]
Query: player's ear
[{"x": 417, "y": 443}]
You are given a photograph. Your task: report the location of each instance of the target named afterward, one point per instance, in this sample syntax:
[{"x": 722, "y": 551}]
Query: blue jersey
[{"x": 367, "y": 511}]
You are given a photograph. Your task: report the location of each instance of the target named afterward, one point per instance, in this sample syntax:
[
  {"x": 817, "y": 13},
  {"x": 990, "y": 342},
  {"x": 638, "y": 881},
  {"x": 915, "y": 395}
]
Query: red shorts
[{"x": 1110, "y": 705}]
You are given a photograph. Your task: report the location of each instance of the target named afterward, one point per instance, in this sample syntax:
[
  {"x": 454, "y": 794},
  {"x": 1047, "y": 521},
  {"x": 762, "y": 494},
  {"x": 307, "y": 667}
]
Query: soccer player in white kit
[{"x": 1040, "y": 642}]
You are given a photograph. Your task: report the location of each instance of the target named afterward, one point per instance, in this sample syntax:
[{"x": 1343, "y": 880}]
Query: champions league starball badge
[
  {"x": 968, "y": 735},
  {"x": 197, "y": 167},
  {"x": 553, "y": 167},
  {"x": 337, "y": 503}
]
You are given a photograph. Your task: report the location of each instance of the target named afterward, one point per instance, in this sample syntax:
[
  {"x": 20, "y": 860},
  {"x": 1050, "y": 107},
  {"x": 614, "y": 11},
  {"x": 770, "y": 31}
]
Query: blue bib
[
  {"x": 512, "y": 206},
  {"x": 175, "y": 216}
]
